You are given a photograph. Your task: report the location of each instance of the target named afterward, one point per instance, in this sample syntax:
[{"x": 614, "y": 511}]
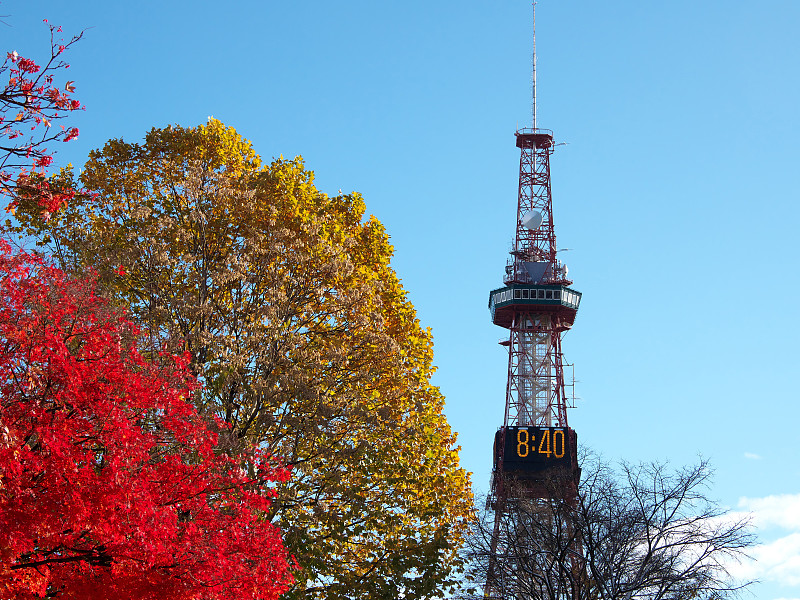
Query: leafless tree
[{"x": 635, "y": 532}]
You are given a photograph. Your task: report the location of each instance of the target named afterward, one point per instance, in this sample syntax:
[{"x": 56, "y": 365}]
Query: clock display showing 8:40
[{"x": 535, "y": 448}]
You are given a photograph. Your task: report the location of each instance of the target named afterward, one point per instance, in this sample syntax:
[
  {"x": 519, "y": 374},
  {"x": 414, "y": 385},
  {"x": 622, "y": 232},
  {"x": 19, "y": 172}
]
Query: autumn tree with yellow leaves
[{"x": 302, "y": 337}]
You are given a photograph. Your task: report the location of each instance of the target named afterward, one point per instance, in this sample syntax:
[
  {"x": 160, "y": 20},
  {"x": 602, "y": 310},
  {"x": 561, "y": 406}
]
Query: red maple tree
[
  {"x": 30, "y": 105},
  {"x": 109, "y": 483}
]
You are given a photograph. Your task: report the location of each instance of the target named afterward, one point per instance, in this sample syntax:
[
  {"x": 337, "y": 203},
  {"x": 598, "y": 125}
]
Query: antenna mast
[{"x": 533, "y": 111}]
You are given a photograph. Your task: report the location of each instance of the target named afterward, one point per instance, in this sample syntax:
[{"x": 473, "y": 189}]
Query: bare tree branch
[{"x": 638, "y": 532}]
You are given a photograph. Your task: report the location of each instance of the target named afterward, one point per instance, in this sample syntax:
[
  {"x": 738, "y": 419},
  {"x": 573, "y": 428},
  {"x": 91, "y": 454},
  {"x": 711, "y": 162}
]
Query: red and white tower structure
[{"x": 535, "y": 450}]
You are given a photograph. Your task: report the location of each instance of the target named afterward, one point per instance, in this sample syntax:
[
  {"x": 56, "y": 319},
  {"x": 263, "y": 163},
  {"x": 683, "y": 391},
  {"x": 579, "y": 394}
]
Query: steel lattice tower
[{"x": 535, "y": 451}]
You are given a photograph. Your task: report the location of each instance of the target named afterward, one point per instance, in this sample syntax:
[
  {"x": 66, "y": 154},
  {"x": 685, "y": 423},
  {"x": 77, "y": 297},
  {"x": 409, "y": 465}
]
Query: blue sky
[{"x": 676, "y": 191}]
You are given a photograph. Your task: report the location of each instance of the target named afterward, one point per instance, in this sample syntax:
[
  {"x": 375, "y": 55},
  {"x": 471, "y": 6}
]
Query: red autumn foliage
[
  {"x": 30, "y": 104},
  {"x": 109, "y": 483}
]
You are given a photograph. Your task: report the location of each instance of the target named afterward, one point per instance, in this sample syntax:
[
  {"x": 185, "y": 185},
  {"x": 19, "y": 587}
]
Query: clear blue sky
[{"x": 677, "y": 190}]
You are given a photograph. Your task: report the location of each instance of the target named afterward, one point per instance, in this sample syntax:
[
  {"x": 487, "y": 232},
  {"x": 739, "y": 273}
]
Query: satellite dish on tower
[{"x": 532, "y": 220}]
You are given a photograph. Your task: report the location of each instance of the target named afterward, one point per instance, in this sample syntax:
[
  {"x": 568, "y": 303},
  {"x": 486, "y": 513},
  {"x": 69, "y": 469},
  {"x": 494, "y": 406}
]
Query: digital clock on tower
[{"x": 536, "y": 448}]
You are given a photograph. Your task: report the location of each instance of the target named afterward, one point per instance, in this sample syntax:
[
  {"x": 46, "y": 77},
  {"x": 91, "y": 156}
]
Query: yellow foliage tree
[{"x": 303, "y": 338}]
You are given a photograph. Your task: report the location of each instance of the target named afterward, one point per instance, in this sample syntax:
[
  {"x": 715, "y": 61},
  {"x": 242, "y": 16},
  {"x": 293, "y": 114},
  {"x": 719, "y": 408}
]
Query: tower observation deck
[{"x": 535, "y": 450}]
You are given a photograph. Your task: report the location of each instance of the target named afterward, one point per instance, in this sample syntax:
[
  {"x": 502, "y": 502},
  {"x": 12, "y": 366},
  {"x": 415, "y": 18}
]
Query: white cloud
[
  {"x": 777, "y": 558},
  {"x": 779, "y": 561},
  {"x": 752, "y": 456},
  {"x": 782, "y": 511}
]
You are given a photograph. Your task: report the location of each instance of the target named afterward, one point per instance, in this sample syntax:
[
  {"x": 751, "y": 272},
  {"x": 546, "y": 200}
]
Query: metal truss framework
[
  {"x": 531, "y": 543},
  {"x": 535, "y": 194},
  {"x": 536, "y": 391}
]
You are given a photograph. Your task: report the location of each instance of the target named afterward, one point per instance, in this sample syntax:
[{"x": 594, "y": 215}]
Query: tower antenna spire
[{"x": 534, "y": 65}]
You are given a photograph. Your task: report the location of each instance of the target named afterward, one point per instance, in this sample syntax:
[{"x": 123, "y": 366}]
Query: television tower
[{"x": 535, "y": 450}]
